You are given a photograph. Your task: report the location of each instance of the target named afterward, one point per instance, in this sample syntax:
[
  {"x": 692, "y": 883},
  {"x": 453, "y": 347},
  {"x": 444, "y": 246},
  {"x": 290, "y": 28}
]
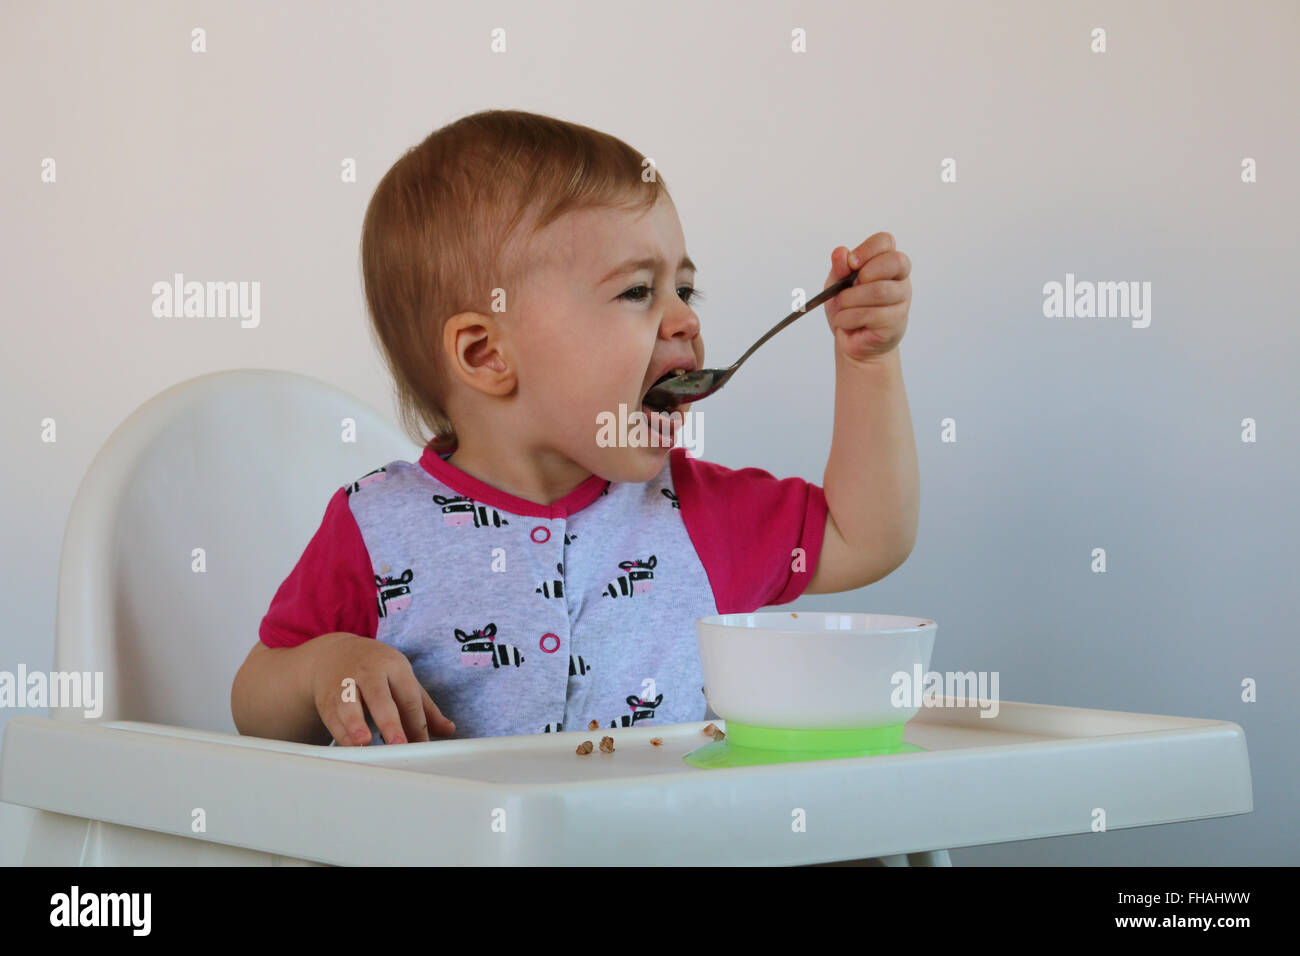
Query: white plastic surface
[{"x": 1032, "y": 771}]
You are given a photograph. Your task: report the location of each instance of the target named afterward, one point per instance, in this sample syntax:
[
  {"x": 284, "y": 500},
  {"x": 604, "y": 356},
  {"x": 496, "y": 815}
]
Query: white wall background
[{"x": 1073, "y": 434}]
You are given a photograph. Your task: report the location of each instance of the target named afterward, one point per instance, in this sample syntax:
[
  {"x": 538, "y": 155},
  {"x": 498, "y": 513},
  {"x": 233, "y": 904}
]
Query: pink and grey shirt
[{"x": 522, "y": 618}]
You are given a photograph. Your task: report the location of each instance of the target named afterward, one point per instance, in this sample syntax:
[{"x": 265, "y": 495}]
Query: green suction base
[{"x": 746, "y": 745}]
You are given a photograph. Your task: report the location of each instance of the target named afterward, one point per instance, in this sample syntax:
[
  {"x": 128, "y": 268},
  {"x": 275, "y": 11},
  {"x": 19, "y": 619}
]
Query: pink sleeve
[
  {"x": 745, "y": 526},
  {"x": 331, "y": 588}
]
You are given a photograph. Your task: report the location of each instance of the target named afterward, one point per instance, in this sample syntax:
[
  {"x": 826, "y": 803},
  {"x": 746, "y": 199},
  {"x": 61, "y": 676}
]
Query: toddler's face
[{"x": 596, "y": 328}]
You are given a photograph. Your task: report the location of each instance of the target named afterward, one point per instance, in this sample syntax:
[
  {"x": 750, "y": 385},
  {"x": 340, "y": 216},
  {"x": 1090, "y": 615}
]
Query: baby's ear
[{"x": 473, "y": 349}]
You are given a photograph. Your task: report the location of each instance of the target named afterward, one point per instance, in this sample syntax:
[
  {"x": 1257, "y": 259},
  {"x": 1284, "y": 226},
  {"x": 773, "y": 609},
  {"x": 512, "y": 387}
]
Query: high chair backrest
[{"x": 189, "y": 518}]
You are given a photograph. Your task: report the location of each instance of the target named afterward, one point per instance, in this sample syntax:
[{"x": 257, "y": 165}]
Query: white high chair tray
[{"x": 1031, "y": 771}]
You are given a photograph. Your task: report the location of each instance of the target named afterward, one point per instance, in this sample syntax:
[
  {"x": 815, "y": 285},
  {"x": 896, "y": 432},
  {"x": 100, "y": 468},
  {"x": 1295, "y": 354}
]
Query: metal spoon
[{"x": 692, "y": 386}]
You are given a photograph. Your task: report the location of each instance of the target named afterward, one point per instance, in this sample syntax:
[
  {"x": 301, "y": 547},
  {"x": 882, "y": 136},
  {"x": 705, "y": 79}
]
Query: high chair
[
  {"x": 192, "y": 513},
  {"x": 199, "y": 505}
]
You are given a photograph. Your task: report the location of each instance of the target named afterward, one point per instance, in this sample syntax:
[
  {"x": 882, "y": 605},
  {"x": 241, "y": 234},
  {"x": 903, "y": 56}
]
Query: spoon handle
[{"x": 812, "y": 303}]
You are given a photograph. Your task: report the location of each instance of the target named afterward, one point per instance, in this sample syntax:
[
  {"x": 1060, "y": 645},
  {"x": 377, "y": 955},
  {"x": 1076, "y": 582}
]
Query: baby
[{"x": 535, "y": 571}]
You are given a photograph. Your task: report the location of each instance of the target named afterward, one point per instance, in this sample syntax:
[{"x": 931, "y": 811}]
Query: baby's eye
[{"x": 691, "y": 294}]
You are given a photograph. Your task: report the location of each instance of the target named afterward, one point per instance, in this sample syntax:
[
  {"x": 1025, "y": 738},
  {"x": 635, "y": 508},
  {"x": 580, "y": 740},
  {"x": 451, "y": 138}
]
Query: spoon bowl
[
  {"x": 687, "y": 387},
  {"x": 671, "y": 391}
]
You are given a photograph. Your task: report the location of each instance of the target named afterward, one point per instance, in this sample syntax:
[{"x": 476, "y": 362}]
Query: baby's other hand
[{"x": 352, "y": 674}]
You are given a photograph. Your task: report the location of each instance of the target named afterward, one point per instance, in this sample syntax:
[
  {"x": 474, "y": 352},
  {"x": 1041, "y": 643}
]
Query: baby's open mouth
[{"x": 651, "y": 406}]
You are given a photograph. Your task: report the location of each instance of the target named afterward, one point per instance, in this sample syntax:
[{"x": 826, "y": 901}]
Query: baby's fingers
[
  {"x": 839, "y": 266},
  {"x": 346, "y": 719},
  {"x": 378, "y": 698},
  {"x": 338, "y": 730},
  {"x": 437, "y": 722},
  {"x": 409, "y": 696}
]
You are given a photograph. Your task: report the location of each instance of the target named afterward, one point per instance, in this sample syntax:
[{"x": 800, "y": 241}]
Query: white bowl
[{"x": 812, "y": 670}]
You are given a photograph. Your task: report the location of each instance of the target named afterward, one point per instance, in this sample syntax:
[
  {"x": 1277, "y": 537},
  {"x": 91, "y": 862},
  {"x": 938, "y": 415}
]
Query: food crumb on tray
[
  {"x": 594, "y": 725},
  {"x": 714, "y": 731},
  {"x": 607, "y": 745},
  {"x": 656, "y": 741},
  {"x": 584, "y": 747}
]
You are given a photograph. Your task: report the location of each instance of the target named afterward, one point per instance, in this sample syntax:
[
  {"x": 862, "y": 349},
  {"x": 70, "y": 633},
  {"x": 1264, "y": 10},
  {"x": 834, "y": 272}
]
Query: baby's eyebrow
[{"x": 646, "y": 262}]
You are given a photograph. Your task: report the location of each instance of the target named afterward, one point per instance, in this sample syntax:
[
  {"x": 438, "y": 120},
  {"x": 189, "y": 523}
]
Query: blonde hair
[{"x": 442, "y": 230}]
